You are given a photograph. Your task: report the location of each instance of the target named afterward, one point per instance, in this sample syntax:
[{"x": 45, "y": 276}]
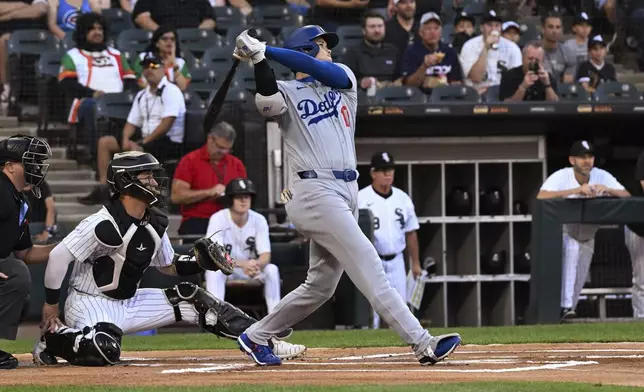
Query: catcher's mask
[
  {"x": 124, "y": 176},
  {"x": 31, "y": 152}
]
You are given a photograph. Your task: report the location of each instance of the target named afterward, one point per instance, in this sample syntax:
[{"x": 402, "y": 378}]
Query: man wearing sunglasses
[{"x": 155, "y": 125}]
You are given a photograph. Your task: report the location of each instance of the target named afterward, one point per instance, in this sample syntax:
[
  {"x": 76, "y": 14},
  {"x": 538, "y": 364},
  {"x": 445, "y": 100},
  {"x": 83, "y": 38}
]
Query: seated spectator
[
  {"x": 486, "y": 56},
  {"x": 330, "y": 14},
  {"x": 63, "y": 14},
  {"x": 401, "y": 30},
  {"x": 17, "y": 15},
  {"x": 201, "y": 178},
  {"x": 42, "y": 214},
  {"x": 559, "y": 60},
  {"x": 373, "y": 61},
  {"x": 429, "y": 62},
  {"x": 176, "y": 14},
  {"x": 244, "y": 234},
  {"x": 91, "y": 69},
  {"x": 155, "y": 125},
  {"x": 512, "y": 31},
  {"x": 529, "y": 82},
  {"x": 165, "y": 45},
  {"x": 596, "y": 70},
  {"x": 582, "y": 27},
  {"x": 463, "y": 30}
]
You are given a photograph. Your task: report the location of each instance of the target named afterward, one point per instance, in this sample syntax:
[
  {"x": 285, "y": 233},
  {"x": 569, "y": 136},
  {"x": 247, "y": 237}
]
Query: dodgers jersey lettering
[
  {"x": 242, "y": 243},
  {"x": 393, "y": 217},
  {"x": 319, "y": 126}
]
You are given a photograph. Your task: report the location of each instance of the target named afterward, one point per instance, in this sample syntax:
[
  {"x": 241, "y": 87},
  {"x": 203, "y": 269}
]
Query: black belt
[
  {"x": 347, "y": 175},
  {"x": 388, "y": 257}
]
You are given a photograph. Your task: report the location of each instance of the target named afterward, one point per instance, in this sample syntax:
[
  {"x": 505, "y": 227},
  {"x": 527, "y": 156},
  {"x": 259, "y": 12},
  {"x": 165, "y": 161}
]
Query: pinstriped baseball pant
[
  {"x": 577, "y": 256},
  {"x": 635, "y": 246}
]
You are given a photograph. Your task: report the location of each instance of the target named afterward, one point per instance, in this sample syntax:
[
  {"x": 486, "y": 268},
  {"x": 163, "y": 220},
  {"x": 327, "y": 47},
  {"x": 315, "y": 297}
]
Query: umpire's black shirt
[{"x": 14, "y": 226}]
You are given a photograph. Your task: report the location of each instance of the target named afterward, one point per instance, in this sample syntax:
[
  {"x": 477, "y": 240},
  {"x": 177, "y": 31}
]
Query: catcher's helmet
[
  {"x": 302, "y": 39},
  {"x": 31, "y": 152},
  {"x": 240, "y": 186},
  {"x": 122, "y": 173}
]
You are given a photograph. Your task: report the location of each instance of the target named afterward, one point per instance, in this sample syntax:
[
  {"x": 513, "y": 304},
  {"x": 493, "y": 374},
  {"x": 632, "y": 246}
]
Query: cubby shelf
[{"x": 466, "y": 291}]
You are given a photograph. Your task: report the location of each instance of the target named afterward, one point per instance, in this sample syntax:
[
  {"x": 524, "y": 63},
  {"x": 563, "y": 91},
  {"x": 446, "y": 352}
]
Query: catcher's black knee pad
[{"x": 99, "y": 345}]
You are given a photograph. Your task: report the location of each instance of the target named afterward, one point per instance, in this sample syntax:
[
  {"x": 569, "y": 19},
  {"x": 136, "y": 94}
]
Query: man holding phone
[{"x": 530, "y": 81}]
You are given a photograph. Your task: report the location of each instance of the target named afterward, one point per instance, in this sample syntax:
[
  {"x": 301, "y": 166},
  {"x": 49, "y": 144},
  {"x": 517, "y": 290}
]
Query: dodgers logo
[{"x": 318, "y": 111}]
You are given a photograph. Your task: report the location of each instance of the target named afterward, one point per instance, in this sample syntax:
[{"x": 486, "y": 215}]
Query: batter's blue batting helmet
[{"x": 302, "y": 39}]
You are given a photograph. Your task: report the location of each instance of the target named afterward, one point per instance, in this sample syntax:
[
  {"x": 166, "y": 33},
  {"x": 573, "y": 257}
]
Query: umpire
[{"x": 22, "y": 162}]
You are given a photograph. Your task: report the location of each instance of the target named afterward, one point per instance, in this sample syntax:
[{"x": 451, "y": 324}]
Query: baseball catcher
[{"x": 111, "y": 250}]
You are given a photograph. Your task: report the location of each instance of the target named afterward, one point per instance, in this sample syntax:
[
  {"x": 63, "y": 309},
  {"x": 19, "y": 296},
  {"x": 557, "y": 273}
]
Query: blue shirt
[
  {"x": 449, "y": 68},
  {"x": 67, "y": 14}
]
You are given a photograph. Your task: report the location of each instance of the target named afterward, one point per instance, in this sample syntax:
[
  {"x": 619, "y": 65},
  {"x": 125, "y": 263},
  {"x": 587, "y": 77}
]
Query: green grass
[
  {"x": 566, "y": 333},
  {"x": 452, "y": 387}
]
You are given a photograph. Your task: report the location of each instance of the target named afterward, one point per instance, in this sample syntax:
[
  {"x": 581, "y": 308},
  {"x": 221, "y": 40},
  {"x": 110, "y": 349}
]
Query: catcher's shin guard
[{"x": 99, "y": 345}]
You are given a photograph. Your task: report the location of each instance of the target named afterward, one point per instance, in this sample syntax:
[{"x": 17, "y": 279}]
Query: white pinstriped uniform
[
  {"x": 86, "y": 304},
  {"x": 578, "y": 239},
  {"x": 394, "y": 217},
  {"x": 243, "y": 243},
  {"x": 635, "y": 245}
]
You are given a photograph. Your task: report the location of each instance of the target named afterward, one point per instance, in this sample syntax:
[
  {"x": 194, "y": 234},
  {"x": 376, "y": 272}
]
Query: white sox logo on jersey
[
  {"x": 252, "y": 247},
  {"x": 320, "y": 110},
  {"x": 401, "y": 217}
]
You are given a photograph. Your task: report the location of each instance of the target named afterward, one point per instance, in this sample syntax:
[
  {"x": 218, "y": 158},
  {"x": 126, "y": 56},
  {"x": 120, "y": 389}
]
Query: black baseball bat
[{"x": 218, "y": 100}]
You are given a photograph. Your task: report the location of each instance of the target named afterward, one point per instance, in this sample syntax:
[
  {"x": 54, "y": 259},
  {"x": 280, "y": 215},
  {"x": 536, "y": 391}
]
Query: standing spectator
[
  {"x": 201, "y": 178},
  {"x": 176, "y": 14},
  {"x": 17, "y": 15},
  {"x": 529, "y": 82},
  {"x": 401, "y": 30},
  {"x": 485, "y": 57},
  {"x": 42, "y": 213},
  {"x": 373, "y": 61},
  {"x": 463, "y": 30},
  {"x": 155, "y": 125},
  {"x": 559, "y": 60},
  {"x": 330, "y": 14},
  {"x": 90, "y": 70},
  {"x": 429, "y": 62},
  {"x": 582, "y": 27},
  {"x": 63, "y": 14},
  {"x": 512, "y": 31},
  {"x": 596, "y": 70},
  {"x": 165, "y": 45}
]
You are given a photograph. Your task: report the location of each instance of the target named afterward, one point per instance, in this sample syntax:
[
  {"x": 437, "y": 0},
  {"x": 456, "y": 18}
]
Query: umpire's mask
[{"x": 31, "y": 152}]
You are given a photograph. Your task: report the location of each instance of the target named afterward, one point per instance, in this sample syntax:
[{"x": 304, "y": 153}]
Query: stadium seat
[
  {"x": 454, "y": 93},
  {"x": 491, "y": 94},
  {"x": 245, "y": 77},
  {"x": 615, "y": 91},
  {"x": 114, "y": 106},
  {"x": 228, "y": 17},
  {"x": 219, "y": 58},
  {"x": 47, "y": 69},
  {"x": 338, "y": 53},
  {"x": 285, "y": 32},
  {"x": 281, "y": 72},
  {"x": 235, "y": 95},
  {"x": 190, "y": 59},
  {"x": 274, "y": 17},
  {"x": 118, "y": 20},
  {"x": 448, "y": 13},
  {"x": 31, "y": 42},
  {"x": 133, "y": 39},
  {"x": 68, "y": 42},
  {"x": 197, "y": 40},
  {"x": 350, "y": 35},
  {"x": 203, "y": 81},
  {"x": 474, "y": 7},
  {"x": 265, "y": 35},
  {"x": 195, "y": 111},
  {"x": 572, "y": 92},
  {"x": 529, "y": 33},
  {"x": 399, "y": 95}
]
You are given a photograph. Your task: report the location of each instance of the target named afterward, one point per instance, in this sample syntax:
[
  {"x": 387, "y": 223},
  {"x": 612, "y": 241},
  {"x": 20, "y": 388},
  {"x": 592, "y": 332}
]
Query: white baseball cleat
[{"x": 286, "y": 350}]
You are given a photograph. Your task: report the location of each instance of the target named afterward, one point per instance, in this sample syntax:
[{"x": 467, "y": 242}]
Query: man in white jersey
[
  {"x": 244, "y": 234},
  {"x": 111, "y": 250},
  {"x": 579, "y": 180},
  {"x": 317, "y": 116},
  {"x": 395, "y": 224}
]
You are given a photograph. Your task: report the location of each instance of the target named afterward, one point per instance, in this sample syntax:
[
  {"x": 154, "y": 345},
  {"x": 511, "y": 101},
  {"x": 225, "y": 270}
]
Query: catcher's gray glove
[{"x": 212, "y": 257}]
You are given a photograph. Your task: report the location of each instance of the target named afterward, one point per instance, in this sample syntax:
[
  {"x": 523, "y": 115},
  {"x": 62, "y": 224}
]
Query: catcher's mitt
[{"x": 212, "y": 256}]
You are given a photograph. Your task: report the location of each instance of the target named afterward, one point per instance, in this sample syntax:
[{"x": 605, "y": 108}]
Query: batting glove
[
  {"x": 250, "y": 47},
  {"x": 239, "y": 55}
]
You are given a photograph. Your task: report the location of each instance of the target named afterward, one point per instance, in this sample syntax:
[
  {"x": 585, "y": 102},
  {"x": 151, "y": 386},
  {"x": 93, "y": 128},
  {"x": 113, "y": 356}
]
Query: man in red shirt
[{"x": 201, "y": 178}]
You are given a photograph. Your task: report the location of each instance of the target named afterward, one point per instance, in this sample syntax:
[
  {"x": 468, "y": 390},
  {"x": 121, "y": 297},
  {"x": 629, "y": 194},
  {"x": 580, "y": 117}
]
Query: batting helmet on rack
[
  {"x": 302, "y": 39},
  {"x": 491, "y": 201},
  {"x": 459, "y": 202}
]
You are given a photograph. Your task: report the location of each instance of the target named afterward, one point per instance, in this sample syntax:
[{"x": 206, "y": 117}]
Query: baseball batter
[
  {"x": 395, "y": 224},
  {"x": 582, "y": 179},
  {"x": 317, "y": 114},
  {"x": 111, "y": 250},
  {"x": 244, "y": 235}
]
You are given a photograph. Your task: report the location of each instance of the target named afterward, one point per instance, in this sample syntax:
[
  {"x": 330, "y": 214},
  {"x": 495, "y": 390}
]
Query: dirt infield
[{"x": 614, "y": 363}]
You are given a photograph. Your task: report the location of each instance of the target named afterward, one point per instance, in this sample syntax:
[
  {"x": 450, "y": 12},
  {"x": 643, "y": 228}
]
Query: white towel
[{"x": 415, "y": 289}]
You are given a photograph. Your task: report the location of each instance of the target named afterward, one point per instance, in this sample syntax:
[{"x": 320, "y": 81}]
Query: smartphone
[{"x": 534, "y": 67}]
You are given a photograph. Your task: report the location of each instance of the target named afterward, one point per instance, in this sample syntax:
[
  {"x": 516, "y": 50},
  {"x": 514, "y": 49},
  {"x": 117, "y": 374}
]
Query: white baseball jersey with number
[
  {"x": 242, "y": 243},
  {"x": 578, "y": 239}
]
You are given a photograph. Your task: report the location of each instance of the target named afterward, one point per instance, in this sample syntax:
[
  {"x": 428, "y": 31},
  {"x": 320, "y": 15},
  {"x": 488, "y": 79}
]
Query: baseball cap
[
  {"x": 463, "y": 16},
  {"x": 580, "y": 18},
  {"x": 151, "y": 59},
  {"x": 382, "y": 160},
  {"x": 427, "y": 16},
  {"x": 596, "y": 40},
  {"x": 491, "y": 16},
  {"x": 581, "y": 148},
  {"x": 511, "y": 24}
]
